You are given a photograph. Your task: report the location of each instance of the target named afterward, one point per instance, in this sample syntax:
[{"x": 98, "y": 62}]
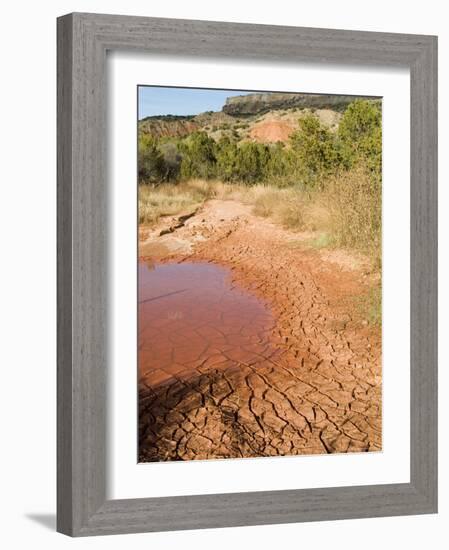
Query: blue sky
[{"x": 181, "y": 101}]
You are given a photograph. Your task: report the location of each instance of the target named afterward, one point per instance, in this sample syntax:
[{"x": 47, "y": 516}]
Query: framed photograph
[{"x": 247, "y": 274}]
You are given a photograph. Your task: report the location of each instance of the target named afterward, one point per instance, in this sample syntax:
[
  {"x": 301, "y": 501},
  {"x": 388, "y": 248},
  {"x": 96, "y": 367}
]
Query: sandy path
[{"x": 319, "y": 393}]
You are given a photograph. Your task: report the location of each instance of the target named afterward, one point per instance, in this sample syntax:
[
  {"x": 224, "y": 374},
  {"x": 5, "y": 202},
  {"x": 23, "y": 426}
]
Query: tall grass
[
  {"x": 168, "y": 199},
  {"x": 294, "y": 208},
  {"x": 285, "y": 206},
  {"x": 155, "y": 202},
  {"x": 354, "y": 199}
]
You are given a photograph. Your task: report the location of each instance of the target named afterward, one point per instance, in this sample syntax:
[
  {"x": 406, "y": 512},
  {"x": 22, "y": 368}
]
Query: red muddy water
[{"x": 192, "y": 318}]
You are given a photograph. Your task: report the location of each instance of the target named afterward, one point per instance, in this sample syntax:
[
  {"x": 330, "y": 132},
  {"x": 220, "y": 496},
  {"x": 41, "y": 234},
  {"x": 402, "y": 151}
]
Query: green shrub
[
  {"x": 151, "y": 166},
  {"x": 172, "y": 161},
  {"x": 316, "y": 149},
  {"x": 360, "y": 133},
  {"x": 246, "y": 162},
  {"x": 225, "y": 154},
  {"x": 198, "y": 156},
  {"x": 250, "y": 162}
]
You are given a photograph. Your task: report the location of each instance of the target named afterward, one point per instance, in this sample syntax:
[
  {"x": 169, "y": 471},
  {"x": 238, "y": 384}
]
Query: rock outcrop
[{"x": 252, "y": 104}]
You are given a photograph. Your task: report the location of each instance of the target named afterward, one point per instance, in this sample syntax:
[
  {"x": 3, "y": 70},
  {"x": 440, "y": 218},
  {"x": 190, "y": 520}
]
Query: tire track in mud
[{"x": 319, "y": 392}]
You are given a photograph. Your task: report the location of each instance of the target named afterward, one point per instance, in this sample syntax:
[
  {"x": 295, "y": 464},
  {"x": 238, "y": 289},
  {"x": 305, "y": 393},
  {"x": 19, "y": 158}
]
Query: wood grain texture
[
  {"x": 424, "y": 253},
  {"x": 83, "y": 40},
  {"x": 64, "y": 277}
]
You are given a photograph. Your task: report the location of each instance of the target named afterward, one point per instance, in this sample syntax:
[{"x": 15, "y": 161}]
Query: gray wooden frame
[{"x": 83, "y": 40}]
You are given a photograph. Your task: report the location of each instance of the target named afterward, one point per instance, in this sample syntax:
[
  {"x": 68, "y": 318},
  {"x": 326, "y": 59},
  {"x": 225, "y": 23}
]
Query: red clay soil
[
  {"x": 308, "y": 381},
  {"x": 271, "y": 131}
]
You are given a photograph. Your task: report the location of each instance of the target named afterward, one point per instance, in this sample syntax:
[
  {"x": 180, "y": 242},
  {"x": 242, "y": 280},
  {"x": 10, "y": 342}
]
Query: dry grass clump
[
  {"x": 293, "y": 208},
  {"x": 163, "y": 200},
  {"x": 203, "y": 189},
  {"x": 265, "y": 200},
  {"x": 354, "y": 200},
  {"x": 292, "y": 216}
]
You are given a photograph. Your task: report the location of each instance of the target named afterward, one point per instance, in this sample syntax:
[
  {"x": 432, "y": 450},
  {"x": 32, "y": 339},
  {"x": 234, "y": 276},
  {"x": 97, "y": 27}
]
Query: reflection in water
[
  {"x": 148, "y": 261},
  {"x": 191, "y": 317}
]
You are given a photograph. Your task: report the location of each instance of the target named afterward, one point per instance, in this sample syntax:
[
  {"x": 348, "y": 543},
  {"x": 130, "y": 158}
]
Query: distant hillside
[
  {"x": 254, "y": 104},
  {"x": 261, "y": 117},
  {"x": 168, "y": 126},
  {"x": 180, "y": 126}
]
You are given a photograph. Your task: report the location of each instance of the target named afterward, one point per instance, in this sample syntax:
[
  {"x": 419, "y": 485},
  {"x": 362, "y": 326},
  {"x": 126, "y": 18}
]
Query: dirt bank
[{"x": 319, "y": 393}]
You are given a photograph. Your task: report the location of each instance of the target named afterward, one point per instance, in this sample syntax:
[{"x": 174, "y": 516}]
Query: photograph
[{"x": 259, "y": 274}]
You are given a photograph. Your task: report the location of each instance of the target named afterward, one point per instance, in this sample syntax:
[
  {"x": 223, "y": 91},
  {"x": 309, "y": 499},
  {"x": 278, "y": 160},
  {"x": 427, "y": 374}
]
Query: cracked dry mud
[{"x": 251, "y": 343}]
